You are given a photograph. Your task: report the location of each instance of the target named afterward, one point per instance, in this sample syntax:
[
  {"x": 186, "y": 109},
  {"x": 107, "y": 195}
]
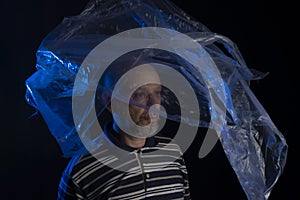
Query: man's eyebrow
[{"x": 143, "y": 87}]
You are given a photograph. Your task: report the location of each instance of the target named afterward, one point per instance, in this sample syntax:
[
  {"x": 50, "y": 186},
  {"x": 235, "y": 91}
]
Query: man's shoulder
[
  {"x": 77, "y": 162},
  {"x": 84, "y": 161},
  {"x": 163, "y": 139},
  {"x": 168, "y": 143}
]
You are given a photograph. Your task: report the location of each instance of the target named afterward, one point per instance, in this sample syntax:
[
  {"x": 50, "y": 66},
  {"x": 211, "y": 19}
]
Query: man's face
[
  {"x": 142, "y": 87},
  {"x": 141, "y": 100}
]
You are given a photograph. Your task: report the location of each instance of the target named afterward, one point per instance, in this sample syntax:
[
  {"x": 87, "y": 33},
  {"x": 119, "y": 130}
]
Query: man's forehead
[
  {"x": 145, "y": 70},
  {"x": 150, "y": 86},
  {"x": 142, "y": 75}
]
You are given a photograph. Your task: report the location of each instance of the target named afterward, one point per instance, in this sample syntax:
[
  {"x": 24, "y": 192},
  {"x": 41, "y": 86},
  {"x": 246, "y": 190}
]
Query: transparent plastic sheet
[{"x": 254, "y": 146}]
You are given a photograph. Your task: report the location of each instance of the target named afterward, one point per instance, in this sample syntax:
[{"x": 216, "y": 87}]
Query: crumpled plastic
[{"x": 255, "y": 148}]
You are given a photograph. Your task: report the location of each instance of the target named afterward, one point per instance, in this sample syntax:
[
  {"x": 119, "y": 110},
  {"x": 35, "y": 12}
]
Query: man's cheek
[{"x": 134, "y": 113}]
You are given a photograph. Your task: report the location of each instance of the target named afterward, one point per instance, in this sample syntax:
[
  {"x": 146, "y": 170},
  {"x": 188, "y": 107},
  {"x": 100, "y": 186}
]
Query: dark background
[{"x": 31, "y": 161}]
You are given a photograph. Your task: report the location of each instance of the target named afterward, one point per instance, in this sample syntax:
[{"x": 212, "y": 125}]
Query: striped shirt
[{"x": 155, "y": 172}]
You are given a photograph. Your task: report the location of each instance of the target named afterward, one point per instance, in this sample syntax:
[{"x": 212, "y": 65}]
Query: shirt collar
[{"x": 114, "y": 137}]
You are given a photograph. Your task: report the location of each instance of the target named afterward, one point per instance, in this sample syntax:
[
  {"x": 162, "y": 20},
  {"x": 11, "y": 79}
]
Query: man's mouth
[{"x": 147, "y": 118}]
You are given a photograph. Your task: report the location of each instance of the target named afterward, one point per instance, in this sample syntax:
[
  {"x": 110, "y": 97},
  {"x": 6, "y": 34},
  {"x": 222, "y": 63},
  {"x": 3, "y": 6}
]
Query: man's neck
[
  {"x": 129, "y": 140},
  {"x": 133, "y": 142}
]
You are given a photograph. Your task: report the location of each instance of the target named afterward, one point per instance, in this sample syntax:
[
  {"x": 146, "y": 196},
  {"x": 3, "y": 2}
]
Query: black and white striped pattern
[{"x": 134, "y": 175}]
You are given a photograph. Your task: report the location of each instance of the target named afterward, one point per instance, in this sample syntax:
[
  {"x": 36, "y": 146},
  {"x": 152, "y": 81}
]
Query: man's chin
[
  {"x": 148, "y": 122},
  {"x": 146, "y": 131}
]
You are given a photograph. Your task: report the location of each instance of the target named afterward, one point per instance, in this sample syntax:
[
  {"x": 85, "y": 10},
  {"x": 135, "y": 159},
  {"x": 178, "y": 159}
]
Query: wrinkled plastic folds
[{"x": 254, "y": 146}]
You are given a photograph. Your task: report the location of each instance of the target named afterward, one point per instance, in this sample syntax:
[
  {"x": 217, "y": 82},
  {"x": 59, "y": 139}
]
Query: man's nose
[{"x": 153, "y": 99}]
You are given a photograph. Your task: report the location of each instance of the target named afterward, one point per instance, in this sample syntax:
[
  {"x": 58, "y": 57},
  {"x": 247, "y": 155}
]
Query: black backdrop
[{"x": 31, "y": 161}]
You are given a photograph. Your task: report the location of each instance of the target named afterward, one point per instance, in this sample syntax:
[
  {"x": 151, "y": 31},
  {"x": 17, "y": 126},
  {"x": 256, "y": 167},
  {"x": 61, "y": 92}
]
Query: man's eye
[
  {"x": 138, "y": 95},
  {"x": 158, "y": 93}
]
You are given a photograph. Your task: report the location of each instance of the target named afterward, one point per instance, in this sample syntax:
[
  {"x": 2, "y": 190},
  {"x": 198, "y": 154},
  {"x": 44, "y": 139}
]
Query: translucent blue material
[{"x": 254, "y": 146}]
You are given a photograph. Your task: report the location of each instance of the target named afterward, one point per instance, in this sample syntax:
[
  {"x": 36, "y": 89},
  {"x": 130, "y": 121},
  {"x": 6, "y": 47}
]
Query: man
[{"x": 132, "y": 162}]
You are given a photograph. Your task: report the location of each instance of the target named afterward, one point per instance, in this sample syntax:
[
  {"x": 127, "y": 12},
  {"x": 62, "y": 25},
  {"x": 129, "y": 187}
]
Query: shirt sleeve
[
  {"x": 186, "y": 180},
  {"x": 68, "y": 189}
]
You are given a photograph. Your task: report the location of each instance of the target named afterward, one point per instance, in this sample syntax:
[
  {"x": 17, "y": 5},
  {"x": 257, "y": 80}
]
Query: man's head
[
  {"x": 132, "y": 95},
  {"x": 145, "y": 96}
]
